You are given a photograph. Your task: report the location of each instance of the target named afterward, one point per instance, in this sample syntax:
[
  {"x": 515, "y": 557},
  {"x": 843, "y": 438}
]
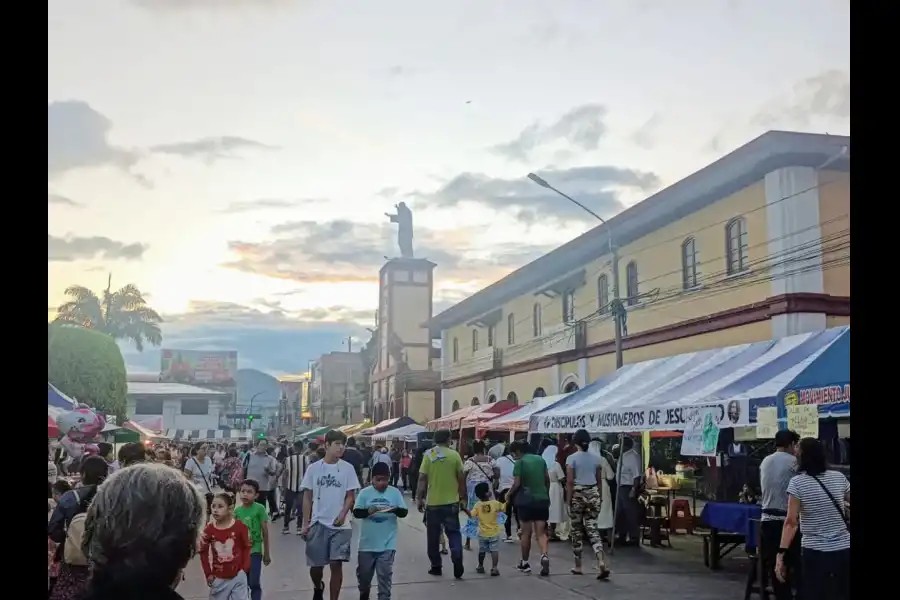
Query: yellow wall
[
  {"x": 834, "y": 215},
  {"x": 524, "y": 384},
  {"x": 420, "y": 406},
  {"x": 464, "y": 394},
  {"x": 658, "y": 258},
  {"x": 837, "y": 321},
  {"x": 410, "y": 310}
]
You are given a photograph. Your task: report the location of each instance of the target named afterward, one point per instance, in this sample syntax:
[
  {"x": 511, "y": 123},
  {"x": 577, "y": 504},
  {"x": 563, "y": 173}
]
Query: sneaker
[
  {"x": 508, "y": 539},
  {"x": 437, "y": 572},
  {"x": 523, "y": 567},
  {"x": 285, "y": 531},
  {"x": 444, "y": 551},
  {"x": 480, "y": 569},
  {"x": 319, "y": 593},
  {"x": 545, "y": 565},
  {"x": 458, "y": 569},
  {"x": 495, "y": 573}
]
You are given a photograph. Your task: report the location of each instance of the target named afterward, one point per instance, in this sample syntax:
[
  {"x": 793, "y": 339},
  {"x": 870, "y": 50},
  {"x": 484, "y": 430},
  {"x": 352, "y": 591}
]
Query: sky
[{"x": 234, "y": 158}]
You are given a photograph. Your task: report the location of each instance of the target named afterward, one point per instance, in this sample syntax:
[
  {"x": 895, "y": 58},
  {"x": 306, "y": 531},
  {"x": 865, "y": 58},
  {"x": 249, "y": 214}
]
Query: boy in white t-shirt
[{"x": 329, "y": 491}]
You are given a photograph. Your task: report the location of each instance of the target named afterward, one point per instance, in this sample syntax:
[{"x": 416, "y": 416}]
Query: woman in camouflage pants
[{"x": 583, "y": 474}]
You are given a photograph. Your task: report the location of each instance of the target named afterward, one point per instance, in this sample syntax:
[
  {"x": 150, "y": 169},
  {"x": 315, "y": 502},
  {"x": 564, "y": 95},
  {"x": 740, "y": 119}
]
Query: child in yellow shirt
[{"x": 487, "y": 511}]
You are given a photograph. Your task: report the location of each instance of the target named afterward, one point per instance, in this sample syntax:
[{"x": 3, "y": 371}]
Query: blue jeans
[
  {"x": 255, "y": 576},
  {"x": 446, "y": 518}
]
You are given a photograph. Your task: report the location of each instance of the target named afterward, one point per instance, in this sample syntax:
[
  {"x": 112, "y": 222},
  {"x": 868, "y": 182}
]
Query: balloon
[{"x": 77, "y": 427}]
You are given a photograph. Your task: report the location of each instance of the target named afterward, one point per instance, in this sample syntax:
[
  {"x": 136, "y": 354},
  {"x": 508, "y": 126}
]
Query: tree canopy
[{"x": 87, "y": 366}]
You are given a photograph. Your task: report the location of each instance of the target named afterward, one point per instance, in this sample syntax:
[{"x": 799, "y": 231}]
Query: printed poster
[
  {"x": 803, "y": 419},
  {"x": 766, "y": 422},
  {"x": 701, "y": 434}
]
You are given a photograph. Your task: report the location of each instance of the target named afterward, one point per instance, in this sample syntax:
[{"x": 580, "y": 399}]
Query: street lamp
[
  {"x": 250, "y": 411},
  {"x": 617, "y": 311},
  {"x": 616, "y": 303}
]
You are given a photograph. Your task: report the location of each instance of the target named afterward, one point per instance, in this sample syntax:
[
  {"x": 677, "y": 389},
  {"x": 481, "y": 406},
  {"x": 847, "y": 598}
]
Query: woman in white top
[
  {"x": 199, "y": 469},
  {"x": 479, "y": 467},
  {"x": 506, "y": 466},
  {"x": 819, "y": 503},
  {"x": 606, "y": 519},
  {"x": 559, "y": 512}
]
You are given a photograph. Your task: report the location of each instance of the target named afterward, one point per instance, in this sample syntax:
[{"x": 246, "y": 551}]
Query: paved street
[{"x": 637, "y": 574}]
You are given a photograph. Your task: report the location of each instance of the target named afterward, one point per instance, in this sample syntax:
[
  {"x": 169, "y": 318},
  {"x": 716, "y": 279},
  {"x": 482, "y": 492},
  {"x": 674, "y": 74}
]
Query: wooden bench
[{"x": 717, "y": 545}]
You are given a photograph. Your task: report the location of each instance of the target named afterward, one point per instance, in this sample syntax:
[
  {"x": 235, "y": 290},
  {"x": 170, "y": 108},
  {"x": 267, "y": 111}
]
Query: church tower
[{"x": 405, "y": 379}]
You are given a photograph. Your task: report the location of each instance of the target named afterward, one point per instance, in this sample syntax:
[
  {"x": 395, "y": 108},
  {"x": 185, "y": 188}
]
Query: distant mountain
[{"x": 251, "y": 382}]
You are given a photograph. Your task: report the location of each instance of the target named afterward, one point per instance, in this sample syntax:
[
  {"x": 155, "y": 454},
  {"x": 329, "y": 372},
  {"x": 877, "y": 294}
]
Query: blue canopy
[
  {"x": 57, "y": 399},
  {"x": 824, "y": 382},
  {"x": 659, "y": 394}
]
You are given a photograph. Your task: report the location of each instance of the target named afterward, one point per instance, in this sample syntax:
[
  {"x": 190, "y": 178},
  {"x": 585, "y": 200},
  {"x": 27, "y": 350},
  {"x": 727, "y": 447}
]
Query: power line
[{"x": 603, "y": 312}]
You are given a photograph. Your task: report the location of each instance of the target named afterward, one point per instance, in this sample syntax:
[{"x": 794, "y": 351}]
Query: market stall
[
  {"x": 407, "y": 434},
  {"x": 455, "y": 419},
  {"x": 664, "y": 393},
  {"x": 57, "y": 399},
  {"x": 314, "y": 433},
  {"x": 356, "y": 428},
  {"x": 209, "y": 435},
  {"x": 387, "y": 425},
  {"x": 517, "y": 419}
]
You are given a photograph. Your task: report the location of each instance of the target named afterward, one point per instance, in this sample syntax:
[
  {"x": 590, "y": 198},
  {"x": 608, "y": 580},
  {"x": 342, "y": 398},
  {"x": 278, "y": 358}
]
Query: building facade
[
  {"x": 404, "y": 376},
  {"x": 752, "y": 247},
  {"x": 337, "y": 389},
  {"x": 180, "y": 406}
]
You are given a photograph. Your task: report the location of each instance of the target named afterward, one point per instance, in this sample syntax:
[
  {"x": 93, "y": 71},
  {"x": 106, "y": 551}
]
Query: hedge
[{"x": 88, "y": 366}]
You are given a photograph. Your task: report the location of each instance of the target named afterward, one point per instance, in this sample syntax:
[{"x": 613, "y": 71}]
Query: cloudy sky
[{"x": 235, "y": 158}]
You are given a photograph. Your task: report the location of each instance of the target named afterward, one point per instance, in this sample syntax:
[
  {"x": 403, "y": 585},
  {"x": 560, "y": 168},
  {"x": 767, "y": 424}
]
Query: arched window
[
  {"x": 510, "y": 329},
  {"x": 475, "y": 402},
  {"x": 511, "y": 397},
  {"x": 455, "y": 350},
  {"x": 568, "y": 306},
  {"x": 490, "y": 340},
  {"x": 455, "y": 406},
  {"x": 492, "y": 398},
  {"x": 736, "y": 245},
  {"x": 536, "y": 319},
  {"x": 631, "y": 283},
  {"x": 570, "y": 387},
  {"x": 474, "y": 341},
  {"x": 689, "y": 263},
  {"x": 603, "y": 294},
  {"x": 539, "y": 393}
]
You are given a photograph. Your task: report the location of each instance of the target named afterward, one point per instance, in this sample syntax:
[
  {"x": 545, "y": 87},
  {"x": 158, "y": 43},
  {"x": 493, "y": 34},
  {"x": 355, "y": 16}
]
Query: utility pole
[{"x": 617, "y": 307}]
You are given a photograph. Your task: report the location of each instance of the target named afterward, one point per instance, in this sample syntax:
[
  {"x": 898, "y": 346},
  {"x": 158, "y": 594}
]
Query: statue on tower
[{"x": 403, "y": 219}]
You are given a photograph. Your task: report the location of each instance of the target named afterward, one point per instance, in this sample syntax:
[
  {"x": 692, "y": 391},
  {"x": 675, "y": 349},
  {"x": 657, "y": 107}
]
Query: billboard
[{"x": 199, "y": 367}]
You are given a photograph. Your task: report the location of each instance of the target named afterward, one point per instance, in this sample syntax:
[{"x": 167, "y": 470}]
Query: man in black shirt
[{"x": 353, "y": 456}]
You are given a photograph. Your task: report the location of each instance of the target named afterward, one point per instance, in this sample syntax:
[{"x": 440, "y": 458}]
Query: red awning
[{"x": 470, "y": 415}]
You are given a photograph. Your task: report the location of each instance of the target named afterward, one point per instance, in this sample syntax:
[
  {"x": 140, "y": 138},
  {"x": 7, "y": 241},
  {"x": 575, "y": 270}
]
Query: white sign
[
  {"x": 665, "y": 418},
  {"x": 766, "y": 422},
  {"x": 701, "y": 434}
]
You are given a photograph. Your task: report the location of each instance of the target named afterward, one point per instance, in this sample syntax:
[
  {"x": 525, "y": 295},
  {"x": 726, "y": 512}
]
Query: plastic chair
[{"x": 680, "y": 516}]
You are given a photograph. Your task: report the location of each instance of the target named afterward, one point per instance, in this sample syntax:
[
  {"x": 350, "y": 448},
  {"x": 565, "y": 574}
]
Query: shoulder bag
[
  {"x": 209, "y": 492},
  {"x": 834, "y": 501}
]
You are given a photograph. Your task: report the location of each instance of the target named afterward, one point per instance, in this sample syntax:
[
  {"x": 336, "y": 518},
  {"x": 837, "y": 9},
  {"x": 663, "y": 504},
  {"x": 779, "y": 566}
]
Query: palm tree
[{"x": 122, "y": 314}]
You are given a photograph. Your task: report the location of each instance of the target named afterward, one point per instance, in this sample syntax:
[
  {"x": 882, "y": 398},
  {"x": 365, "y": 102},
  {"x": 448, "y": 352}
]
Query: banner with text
[
  {"x": 701, "y": 433},
  {"x": 735, "y": 413}
]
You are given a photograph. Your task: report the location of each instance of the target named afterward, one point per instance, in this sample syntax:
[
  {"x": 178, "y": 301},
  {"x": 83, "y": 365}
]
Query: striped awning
[{"x": 196, "y": 435}]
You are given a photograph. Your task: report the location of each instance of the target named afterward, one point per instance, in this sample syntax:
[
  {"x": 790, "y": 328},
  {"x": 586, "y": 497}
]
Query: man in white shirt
[
  {"x": 329, "y": 492},
  {"x": 628, "y": 523}
]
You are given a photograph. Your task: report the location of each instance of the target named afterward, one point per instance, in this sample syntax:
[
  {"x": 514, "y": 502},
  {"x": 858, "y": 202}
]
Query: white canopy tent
[{"x": 406, "y": 434}]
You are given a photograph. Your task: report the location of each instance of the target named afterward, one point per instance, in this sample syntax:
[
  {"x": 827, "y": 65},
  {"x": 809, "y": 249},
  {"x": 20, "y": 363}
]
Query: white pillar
[
  {"x": 554, "y": 380},
  {"x": 582, "y": 372}
]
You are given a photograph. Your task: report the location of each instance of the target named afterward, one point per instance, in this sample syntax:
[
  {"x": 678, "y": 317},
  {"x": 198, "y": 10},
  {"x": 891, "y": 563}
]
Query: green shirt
[
  {"x": 255, "y": 518},
  {"x": 530, "y": 470},
  {"x": 443, "y": 467}
]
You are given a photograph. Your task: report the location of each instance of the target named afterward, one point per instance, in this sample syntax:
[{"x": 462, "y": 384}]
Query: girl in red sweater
[{"x": 225, "y": 552}]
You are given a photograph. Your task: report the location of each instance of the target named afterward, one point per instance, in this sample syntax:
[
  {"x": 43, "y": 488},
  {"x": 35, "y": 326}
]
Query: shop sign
[
  {"x": 832, "y": 394},
  {"x": 728, "y": 414}
]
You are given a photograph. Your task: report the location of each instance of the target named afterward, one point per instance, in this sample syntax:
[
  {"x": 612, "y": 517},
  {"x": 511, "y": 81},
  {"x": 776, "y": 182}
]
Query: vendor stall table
[{"x": 730, "y": 524}]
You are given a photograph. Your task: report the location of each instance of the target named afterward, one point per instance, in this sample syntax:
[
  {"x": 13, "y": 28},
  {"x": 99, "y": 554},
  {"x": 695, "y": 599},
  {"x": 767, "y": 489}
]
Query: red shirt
[
  {"x": 563, "y": 453},
  {"x": 225, "y": 552}
]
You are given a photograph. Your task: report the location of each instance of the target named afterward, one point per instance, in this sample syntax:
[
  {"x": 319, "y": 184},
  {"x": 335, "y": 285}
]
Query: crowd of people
[{"x": 128, "y": 525}]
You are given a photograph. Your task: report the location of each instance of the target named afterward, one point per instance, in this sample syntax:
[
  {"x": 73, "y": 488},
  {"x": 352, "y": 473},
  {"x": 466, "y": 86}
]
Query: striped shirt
[
  {"x": 822, "y": 527},
  {"x": 775, "y": 472},
  {"x": 294, "y": 469}
]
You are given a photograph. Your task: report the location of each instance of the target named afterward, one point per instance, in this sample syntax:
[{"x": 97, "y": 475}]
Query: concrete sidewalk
[{"x": 673, "y": 574}]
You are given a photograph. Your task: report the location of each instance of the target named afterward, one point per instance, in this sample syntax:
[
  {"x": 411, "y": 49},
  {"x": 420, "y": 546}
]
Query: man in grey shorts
[{"x": 329, "y": 492}]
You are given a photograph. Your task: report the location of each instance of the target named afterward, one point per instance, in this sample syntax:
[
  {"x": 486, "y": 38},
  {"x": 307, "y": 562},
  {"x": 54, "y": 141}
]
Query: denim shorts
[{"x": 489, "y": 544}]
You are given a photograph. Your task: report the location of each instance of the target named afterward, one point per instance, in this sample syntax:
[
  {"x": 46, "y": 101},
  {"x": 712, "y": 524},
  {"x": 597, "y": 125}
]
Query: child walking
[
  {"x": 254, "y": 516},
  {"x": 488, "y": 513},
  {"x": 378, "y": 507},
  {"x": 225, "y": 552}
]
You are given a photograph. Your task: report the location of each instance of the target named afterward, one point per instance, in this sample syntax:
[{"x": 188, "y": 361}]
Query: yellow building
[{"x": 754, "y": 246}]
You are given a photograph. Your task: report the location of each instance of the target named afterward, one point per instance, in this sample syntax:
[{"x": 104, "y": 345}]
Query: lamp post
[
  {"x": 250, "y": 411},
  {"x": 618, "y": 310},
  {"x": 616, "y": 306}
]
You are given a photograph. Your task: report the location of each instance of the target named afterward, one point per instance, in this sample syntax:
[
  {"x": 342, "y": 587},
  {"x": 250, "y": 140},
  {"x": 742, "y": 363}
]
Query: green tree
[
  {"x": 122, "y": 314},
  {"x": 87, "y": 366}
]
